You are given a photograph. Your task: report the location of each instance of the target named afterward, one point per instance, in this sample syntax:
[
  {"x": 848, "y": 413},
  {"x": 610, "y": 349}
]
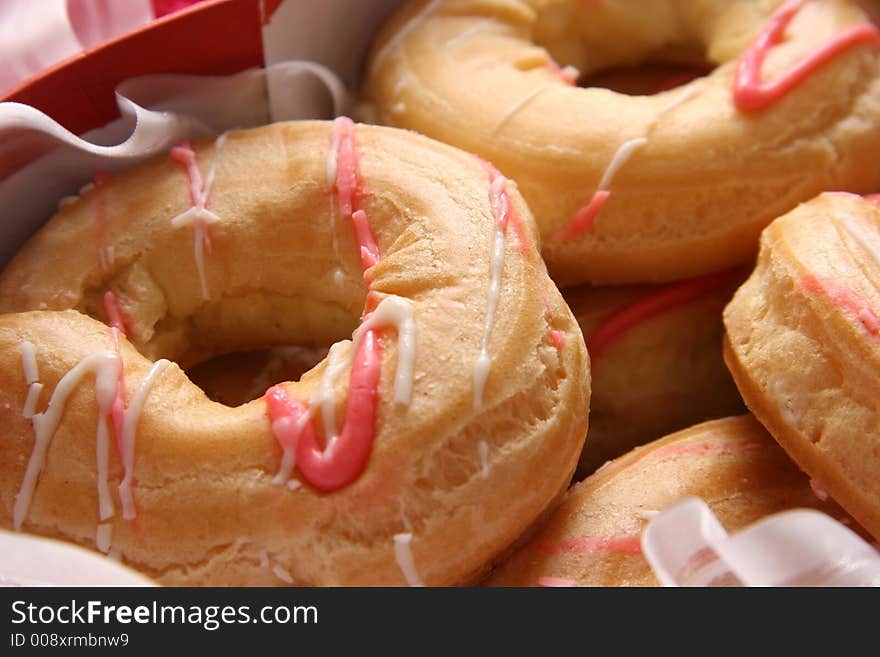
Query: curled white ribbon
[{"x": 43, "y": 161}]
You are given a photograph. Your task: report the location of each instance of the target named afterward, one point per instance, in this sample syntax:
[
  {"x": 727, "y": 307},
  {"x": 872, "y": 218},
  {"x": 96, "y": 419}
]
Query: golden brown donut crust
[
  {"x": 695, "y": 197},
  {"x": 207, "y": 510},
  {"x": 594, "y": 536},
  {"x": 803, "y": 360},
  {"x": 664, "y": 374}
]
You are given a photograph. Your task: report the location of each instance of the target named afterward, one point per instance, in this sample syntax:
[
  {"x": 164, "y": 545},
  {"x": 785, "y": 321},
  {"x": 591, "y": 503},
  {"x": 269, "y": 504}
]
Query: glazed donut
[
  {"x": 594, "y": 537},
  {"x": 656, "y": 364},
  {"x": 648, "y": 188},
  {"x": 802, "y": 345},
  {"x": 466, "y": 375}
]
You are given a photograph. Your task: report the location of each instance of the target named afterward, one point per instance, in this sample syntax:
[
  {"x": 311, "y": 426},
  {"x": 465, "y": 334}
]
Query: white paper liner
[
  {"x": 33, "y": 561},
  {"x": 41, "y": 161},
  {"x": 687, "y": 546}
]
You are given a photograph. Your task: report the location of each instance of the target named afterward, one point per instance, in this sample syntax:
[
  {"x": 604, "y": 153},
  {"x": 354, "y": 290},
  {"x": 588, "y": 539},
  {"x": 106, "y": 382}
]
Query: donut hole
[
  {"x": 635, "y": 48},
  {"x": 647, "y": 78},
  {"x": 244, "y": 339},
  {"x": 239, "y": 377},
  {"x": 236, "y": 347}
]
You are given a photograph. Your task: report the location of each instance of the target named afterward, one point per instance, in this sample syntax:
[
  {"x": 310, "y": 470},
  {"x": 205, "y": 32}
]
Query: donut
[
  {"x": 407, "y": 456},
  {"x": 649, "y": 188},
  {"x": 594, "y": 537},
  {"x": 802, "y": 345},
  {"x": 656, "y": 364}
]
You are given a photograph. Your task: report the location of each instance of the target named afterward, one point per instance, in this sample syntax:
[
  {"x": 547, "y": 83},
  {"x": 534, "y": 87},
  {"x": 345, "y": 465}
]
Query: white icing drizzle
[
  {"x": 131, "y": 418},
  {"x": 212, "y": 170},
  {"x": 404, "y": 557},
  {"x": 621, "y": 155},
  {"x": 522, "y": 102},
  {"x": 392, "y": 310},
  {"x": 199, "y": 217},
  {"x": 104, "y": 536},
  {"x": 571, "y": 72},
  {"x": 398, "y": 107},
  {"x": 29, "y": 362},
  {"x": 463, "y": 36},
  {"x": 324, "y": 395},
  {"x": 294, "y": 484},
  {"x": 681, "y": 98},
  {"x": 401, "y": 84},
  {"x": 626, "y": 150},
  {"x": 398, "y": 312},
  {"x": 282, "y": 574},
  {"x": 288, "y": 460},
  {"x": 30, "y": 404},
  {"x": 105, "y": 366},
  {"x": 323, "y": 399},
  {"x": 264, "y": 559},
  {"x": 397, "y": 38},
  {"x": 67, "y": 200},
  {"x": 483, "y": 448},
  {"x": 31, "y": 377},
  {"x": 484, "y": 362},
  {"x": 187, "y": 218},
  {"x": 407, "y": 525}
]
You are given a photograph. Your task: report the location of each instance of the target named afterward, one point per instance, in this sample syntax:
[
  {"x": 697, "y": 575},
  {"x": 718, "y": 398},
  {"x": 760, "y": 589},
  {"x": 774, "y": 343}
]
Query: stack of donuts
[{"x": 580, "y": 260}]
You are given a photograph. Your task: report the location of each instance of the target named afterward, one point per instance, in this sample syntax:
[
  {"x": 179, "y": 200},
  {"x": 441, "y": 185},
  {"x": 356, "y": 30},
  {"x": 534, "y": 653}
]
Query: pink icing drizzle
[
  {"x": 349, "y": 190},
  {"x": 663, "y": 300},
  {"x": 346, "y": 167},
  {"x": 585, "y": 217},
  {"x": 874, "y": 198},
  {"x": 104, "y": 256},
  {"x": 115, "y": 318},
  {"x": 117, "y": 407},
  {"x": 368, "y": 247},
  {"x": 557, "y": 338},
  {"x": 819, "y": 490},
  {"x": 186, "y": 156},
  {"x": 846, "y": 300},
  {"x": 340, "y": 462},
  {"x": 286, "y": 416},
  {"x": 752, "y": 95},
  {"x": 503, "y": 209},
  {"x": 556, "y": 582},
  {"x": 630, "y": 545}
]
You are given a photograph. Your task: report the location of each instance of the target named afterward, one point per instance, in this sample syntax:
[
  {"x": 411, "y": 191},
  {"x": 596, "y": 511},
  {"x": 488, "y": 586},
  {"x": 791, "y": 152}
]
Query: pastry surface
[
  {"x": 317, "y": 228},
  {"x": 802, "y": 345},
  {"x": 648, "y": 188},
  {"x": 594, "y": 537},
  {"x": 655, "y": 353}
]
